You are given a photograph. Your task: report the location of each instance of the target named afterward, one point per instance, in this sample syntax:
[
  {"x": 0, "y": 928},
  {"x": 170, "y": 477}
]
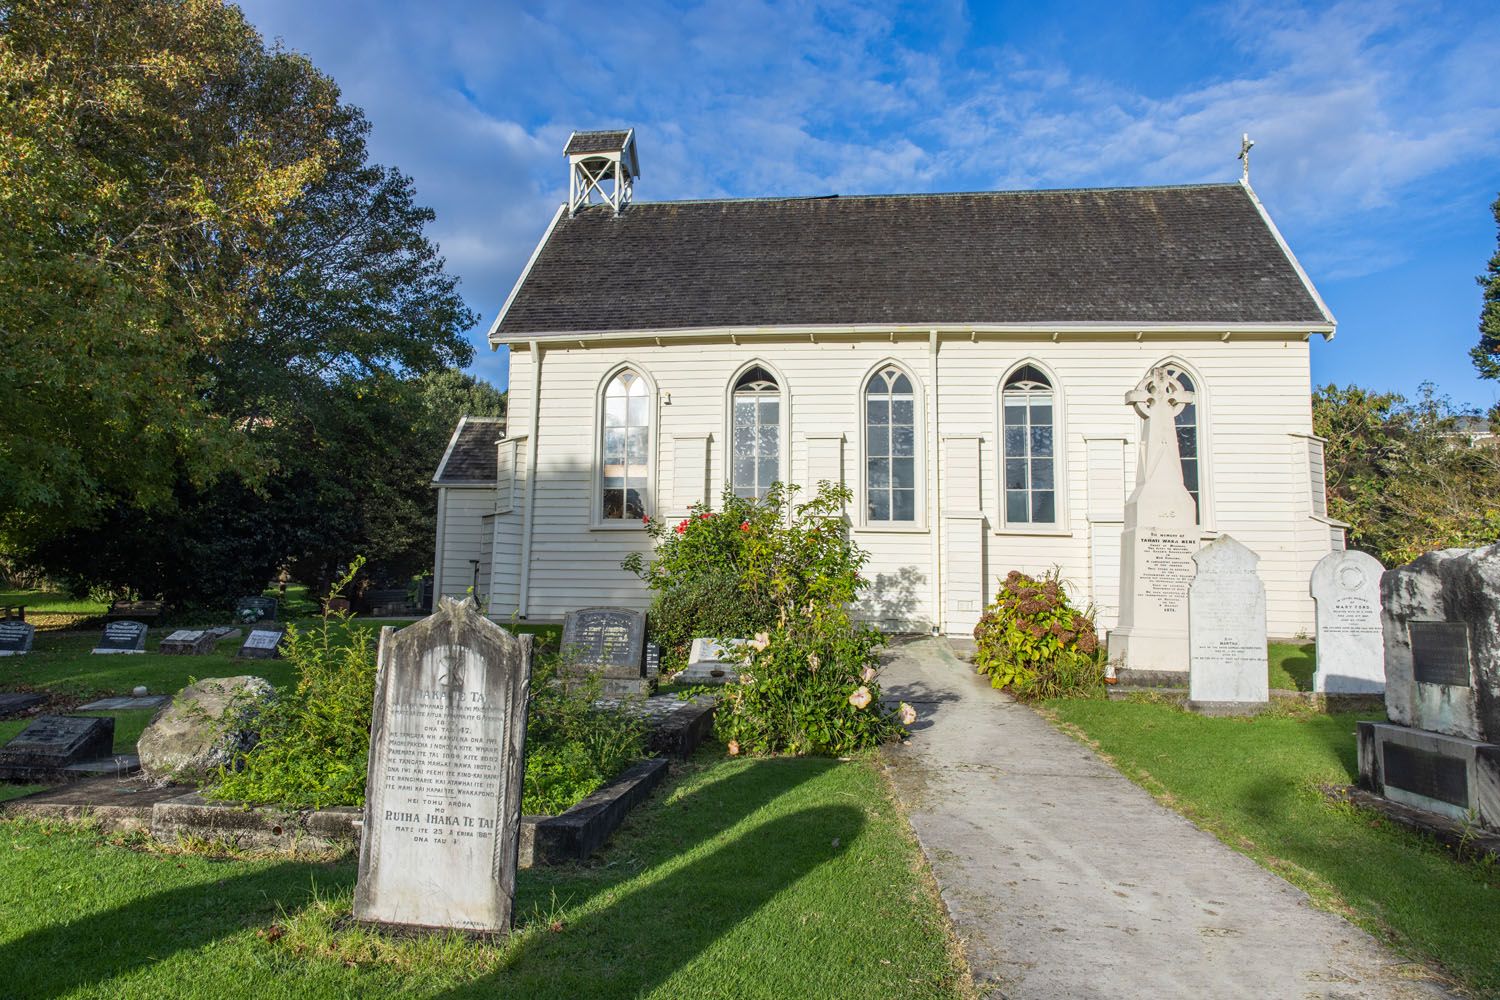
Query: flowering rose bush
[{"x": 1034, "y": 642}]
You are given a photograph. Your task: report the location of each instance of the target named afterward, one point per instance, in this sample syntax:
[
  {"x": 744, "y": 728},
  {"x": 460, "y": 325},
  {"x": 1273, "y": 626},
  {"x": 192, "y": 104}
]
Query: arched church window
[
  {"x": 625, "y": 448},
  {"x": 890, "y": 447},
  {"x": 755, "y": 433},
  {"x": 1030, "y": 453}
]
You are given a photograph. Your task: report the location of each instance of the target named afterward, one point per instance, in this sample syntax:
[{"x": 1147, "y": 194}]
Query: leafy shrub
[
  {"x": 1034, "y": 642},
  {"x": 315, "y": 742}
]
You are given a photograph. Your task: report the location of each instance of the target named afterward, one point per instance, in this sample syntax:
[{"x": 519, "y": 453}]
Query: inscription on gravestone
[
  {"x": 611, "y": 638},
  {"x": 1423, "y": 772},
  {"x": 1227, "y": 628},
  {"x": 53, "y": 742},
  {"x": 16, "y": 638},
  {"x": 262, "y": 644},
  {"x": 447, "y": 747},
  {"x": 187, "y": 642},
  {"x": 1440, "y": 653},
  {"x": 122, "y": 637},
  {"x": 1350, "y": 647}
]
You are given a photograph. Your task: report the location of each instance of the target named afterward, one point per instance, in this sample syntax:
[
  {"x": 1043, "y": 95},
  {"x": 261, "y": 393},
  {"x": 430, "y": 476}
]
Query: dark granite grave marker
[
  {"x": 16, "y": 637},
  {"x": 249, "y": 610},
  {"x": 1423, "y": 772},
  {"x": 53, "y": 742},
  {"x": 1440, "y": 653},
  {"x": 442, "y": 819},
  {"x": 13, "y": 703},
  {"x": 607, "y": 638},
  {"x": 263, "y": 644},
  {"x": 122, "y": 637}
]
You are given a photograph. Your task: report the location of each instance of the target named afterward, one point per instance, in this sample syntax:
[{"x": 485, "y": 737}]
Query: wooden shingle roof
[
  {"x": 596, "y": 142},
  {"x": 472, "y": 458},
  {"x": 1190, "y": 254}
]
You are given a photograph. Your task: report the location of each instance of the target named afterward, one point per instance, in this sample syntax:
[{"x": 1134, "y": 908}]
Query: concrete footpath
[{"x": 1064, "y": 879}]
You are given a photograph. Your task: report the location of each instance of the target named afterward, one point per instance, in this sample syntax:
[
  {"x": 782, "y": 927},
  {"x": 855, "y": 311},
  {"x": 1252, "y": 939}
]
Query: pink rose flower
[
  {"x": 908, "y": 714},
  {"x": 860, "y": 698}
]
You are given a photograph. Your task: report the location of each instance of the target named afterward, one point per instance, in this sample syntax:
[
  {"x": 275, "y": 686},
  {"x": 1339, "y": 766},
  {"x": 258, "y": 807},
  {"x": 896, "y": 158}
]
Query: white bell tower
[{"x": 602, "y": 163}]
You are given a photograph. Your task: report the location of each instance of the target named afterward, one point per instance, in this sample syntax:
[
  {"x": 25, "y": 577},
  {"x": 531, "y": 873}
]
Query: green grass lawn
[
  {"x": 1255, "y": 784},
  {"x": 46, "y": 601},
  {"x": 772, "y": 878},
  {"x": 1291, "y": 666}
]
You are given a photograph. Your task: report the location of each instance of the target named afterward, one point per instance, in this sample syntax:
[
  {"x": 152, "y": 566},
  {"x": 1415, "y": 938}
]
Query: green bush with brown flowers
[{"x": 1034, "y": 643}]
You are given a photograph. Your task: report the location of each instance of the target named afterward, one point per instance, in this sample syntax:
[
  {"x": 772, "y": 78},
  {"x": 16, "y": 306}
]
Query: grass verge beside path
[
  {"x": 772, "y": 878},
  {"x": 1254, "y": 783}
]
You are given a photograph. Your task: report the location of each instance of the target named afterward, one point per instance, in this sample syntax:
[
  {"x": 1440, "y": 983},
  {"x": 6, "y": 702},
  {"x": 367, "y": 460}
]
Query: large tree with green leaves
[
  {"x": 1486, "y": 353},
  {"x": 149, "y": 153}
]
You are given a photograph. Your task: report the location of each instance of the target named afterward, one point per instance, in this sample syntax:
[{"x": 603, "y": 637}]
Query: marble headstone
[
  {"x": 1158, "y": 540},
  {"x": 16, "y": 637},
  {"x": 263, "y": 643},
  {"x": 53, "y": 742},
  {"x": 1350, "y": 648},
  {"x": 1227, "y": 629},
  {"x": 122, "y": 637},
  {"x": 1441, "y": 621},
  {"x": 442, "y": 817}
]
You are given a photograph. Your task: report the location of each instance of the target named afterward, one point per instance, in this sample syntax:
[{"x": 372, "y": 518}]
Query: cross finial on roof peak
[{"x": 1245, "y": 143}]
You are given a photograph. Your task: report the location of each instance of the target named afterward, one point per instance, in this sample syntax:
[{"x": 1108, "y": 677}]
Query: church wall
[{"x": 1255, "y": 399}]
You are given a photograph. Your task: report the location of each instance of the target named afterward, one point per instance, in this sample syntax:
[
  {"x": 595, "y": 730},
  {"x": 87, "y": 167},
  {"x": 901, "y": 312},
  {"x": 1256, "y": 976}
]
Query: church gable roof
[
  {"x": 472, "y": 458},
  {"x": 1191, "y": 254}
]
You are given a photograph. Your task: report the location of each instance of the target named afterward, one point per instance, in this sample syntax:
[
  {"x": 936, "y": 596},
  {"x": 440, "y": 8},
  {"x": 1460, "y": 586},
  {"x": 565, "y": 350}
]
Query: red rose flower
[{"x": 744, "y": 525}]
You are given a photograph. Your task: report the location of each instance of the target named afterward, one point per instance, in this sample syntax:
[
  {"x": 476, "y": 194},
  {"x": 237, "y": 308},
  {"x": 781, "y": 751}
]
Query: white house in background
[{"x": 960, "y": 361}]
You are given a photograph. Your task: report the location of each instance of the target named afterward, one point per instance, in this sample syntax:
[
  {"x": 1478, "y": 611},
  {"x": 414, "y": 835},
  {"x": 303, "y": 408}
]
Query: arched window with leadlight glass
[
  {"x": 892, "y": 434},
  {"x": 755, "y": 433},
  {"x": 625, "y": 448},
  {"x": 1029, "y": 446}
]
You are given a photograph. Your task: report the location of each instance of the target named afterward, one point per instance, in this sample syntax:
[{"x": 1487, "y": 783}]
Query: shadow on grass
[
  {"x": 638, "y": 941},
  {"x": 54, "y": 960},
  {"x": 1299, "y": 662}
]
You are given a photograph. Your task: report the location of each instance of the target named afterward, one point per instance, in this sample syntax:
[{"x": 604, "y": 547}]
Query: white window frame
[
  {"x": 1202, "y": 401},
  {"x": 653, "y": 448},
  {"x": 920, "y": 432},
  {"x": 783, "y": 460},
  {"x": 1062, "y": 501}
]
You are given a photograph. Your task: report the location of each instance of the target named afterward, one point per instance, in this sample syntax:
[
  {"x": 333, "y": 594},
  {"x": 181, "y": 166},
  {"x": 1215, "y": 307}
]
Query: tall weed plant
[{"x": 1032, "y": 641}]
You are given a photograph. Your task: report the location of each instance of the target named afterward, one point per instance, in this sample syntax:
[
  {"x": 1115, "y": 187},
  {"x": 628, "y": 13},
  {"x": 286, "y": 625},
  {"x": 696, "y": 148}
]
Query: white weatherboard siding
[
  {"x": 462, "y": 528},
  {"x": 1254, "y": 417}
]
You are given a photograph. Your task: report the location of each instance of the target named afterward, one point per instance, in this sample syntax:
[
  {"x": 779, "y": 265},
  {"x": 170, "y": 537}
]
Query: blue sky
[{"x": 1377, "y": 125}]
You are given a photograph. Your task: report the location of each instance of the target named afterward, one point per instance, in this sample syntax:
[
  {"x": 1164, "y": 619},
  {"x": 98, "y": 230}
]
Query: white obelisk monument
[{"x": 1157, "y": 545}]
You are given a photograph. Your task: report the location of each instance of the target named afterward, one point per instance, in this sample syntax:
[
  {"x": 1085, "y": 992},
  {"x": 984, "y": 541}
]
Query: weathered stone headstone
[
  {"x": 1440, "y": 752},
  {"x": 608, "y": 642},
  {"x": 249, "y": 610},
  {"x": 53, "y": 742},
  {"x": 187, "y": 642},
  {"x": 709, "y": 662},
  {"x": 1227, "y": 630},
  {"x": 205, "y": 727},
  {"x": 442, "y": 815},
  {"x": 16, "y": 637},
  {"x": 1350, "y": 646},
  {"x": 263, "y": 644},
  {"x": 122, "y": 637},
  {"x": 1158, "y": 540}
]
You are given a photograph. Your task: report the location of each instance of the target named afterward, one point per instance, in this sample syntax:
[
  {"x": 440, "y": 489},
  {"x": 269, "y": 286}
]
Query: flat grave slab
[
  {"x": 263, "y": 643},
  {"x": 124, "y": 703},
  {"x": 13, "y": 703},
  {"x": 222, "y": 632},
  {"x": 120, "y": 765},
  {"x": 122, "y": 637},
  {"x": 187, "y": 642},
  {"x": 118, "y": 806},
  {"x": 43, "y": 749},
  {"x": 674, "y": 726}
]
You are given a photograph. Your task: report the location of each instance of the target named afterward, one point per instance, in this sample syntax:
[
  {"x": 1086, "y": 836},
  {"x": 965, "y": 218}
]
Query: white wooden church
[{"x": 960, "y": 361}]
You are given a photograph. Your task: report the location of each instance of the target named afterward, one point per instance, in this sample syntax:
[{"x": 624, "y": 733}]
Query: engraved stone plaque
[
  {"x": 53, "y": 742},
  {"x": 262, "y": 644},
  {"x": 16, "y": 638},
  {"x": 1440, "y": 653},
  {"x": 122, "y": 637},
  {"x": 610, "y": 638},
  {"x": 447, "y": 748},
  {"x": 1425, "y": 773},
  {"x": 1350, "y": 647}
]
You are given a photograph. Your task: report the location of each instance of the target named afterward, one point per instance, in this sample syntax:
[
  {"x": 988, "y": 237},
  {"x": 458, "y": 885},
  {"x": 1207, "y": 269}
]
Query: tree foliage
[
  {"x": 1404, "y": 475},
  {"x": 1486, "y": 353}
]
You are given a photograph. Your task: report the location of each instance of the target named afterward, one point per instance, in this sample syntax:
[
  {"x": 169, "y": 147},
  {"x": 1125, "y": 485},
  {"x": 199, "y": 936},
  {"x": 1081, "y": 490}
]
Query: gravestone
[
  {"x": 187, "y": 642},
  {"x": 53, "y": 742},
  {"x": 249, "y": 610},
  {"x": 1350, "y": 645},
  {"x": 122, "y": 637},
  {"x": 1158, "y": 540},
  {"x": 1440, "y": 751},
  {"x": 709, "y": 662},
  {"x": 608, "y": 642},
  {"x": 13, "y": 703},
  {"x": 1227, "y": 630},
  {"x": 653, "y": 661},
  {"x": 442, "y": 817},
  {"x": 16, "y": 637},
  {"x": 263, "y": 644}
]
